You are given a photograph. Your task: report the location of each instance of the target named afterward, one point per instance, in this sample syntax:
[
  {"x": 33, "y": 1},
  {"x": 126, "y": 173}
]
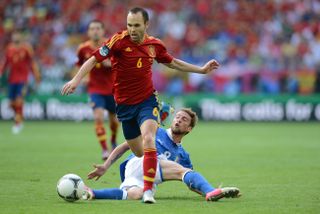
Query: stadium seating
[{"x": 275, "y": 50}]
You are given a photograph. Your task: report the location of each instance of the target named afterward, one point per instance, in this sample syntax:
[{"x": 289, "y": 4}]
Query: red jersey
[
  {"x": 100, "y": 78},
  {"x": 131, "y": 63},
  {"x": 18, "y": 59}
]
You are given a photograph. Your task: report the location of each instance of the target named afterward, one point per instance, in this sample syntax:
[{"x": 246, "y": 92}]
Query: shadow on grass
[{"x": 159, "y": 199}]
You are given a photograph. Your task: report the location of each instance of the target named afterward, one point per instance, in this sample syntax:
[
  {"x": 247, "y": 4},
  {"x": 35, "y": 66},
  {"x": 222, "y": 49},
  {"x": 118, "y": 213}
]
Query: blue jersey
[
  {"x": 171, "y": 150},
  {"x": 167, "y": 148}
]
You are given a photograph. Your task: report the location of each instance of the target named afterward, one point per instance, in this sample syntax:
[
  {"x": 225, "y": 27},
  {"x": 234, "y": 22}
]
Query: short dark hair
[
  {"x": 144, "y": 13},
  {"x": 96, "y": 21}
]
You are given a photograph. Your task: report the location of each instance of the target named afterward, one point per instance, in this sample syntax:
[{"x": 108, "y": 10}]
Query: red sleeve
[
  {"x": 109, "y": 47},
  {"x": 80, "y": 57},
  {"x": 162, "y": 55},
  {"x": 102, "y": 53},
  {"x": 4, "y": 64},
  {"x": 29, "y": 51}
]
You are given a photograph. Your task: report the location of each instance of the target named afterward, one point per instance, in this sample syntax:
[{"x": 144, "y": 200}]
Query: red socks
[
  {"x": 101, "y": 135},
  {"x": 18, "y": 109},
  {"x": 114, "y": 129},
  {"x": 149, "y": 168}
]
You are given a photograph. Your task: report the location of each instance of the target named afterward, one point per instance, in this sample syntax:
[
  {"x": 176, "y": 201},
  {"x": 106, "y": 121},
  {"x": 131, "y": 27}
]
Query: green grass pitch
[{"x": 276, "y": 165}]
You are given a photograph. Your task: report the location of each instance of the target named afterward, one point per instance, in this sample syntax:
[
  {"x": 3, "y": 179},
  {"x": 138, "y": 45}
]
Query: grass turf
[{"x": 276, "y": 165}]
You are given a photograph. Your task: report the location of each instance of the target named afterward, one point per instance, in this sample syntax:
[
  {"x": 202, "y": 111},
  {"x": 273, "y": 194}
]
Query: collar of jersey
[
  {"x": 169, "y": 133},
  {"x": 145, "y": 39}
]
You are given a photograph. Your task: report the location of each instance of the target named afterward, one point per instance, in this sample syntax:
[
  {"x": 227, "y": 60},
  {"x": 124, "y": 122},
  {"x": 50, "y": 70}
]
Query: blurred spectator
[{"x": 264, "y": 46}]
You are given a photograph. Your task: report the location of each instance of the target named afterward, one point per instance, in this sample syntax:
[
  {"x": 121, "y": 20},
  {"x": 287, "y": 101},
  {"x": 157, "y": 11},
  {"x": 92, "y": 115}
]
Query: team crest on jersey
[
  {"x": 152, "y": 51},
  {"x": 128, "y": 49},
  {"x": 104, "y": 50},
  {"x": 98, "y": 65},
  {"x": 155, "y": 112}
]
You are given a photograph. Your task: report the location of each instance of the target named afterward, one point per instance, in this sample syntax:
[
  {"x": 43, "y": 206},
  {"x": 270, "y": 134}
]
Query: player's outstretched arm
[
  {"x": 187, "y": 67},
  {"x": 100, "y": 169},
  {"x": 36, "y": 71},
  {"x": 3, "y": 66},
  {"x": 71, "y": 86}
]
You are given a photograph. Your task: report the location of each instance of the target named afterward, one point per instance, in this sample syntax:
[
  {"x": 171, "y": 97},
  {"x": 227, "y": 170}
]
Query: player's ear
[
  {"x": 189, "y": 129},
  {"x": 147, "y": 24}
]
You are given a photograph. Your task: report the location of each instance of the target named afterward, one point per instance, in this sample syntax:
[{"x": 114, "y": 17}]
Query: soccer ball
[{"x": 70, "y": 187}]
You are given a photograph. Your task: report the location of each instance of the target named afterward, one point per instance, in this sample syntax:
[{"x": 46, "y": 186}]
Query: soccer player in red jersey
[
  {"x": 19, "y": 61},
  {"x": 132, "y": 54},
  {"x": 100, "y": 86}
]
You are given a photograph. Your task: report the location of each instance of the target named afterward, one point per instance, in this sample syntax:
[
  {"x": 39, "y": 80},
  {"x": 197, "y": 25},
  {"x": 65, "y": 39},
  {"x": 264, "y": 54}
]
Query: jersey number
[{"x": 139, "y": 63}]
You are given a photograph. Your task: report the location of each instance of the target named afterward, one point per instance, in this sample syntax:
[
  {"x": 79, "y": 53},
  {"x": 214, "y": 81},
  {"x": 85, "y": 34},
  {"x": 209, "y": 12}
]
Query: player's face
[
  {"x": 95, "y": 31},
  {"x": 136, "y": 27},
  {"x": 181, "y": 123},
  {"x": 16, "y": 38}
]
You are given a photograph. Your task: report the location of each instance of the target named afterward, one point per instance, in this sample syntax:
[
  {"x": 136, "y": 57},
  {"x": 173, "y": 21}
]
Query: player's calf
[
  {"x": 135, "y": 193},
  {"x": 108, "y": 193}
]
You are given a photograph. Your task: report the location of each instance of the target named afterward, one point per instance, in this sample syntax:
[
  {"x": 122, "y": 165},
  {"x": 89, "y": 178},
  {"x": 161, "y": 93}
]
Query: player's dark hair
[
  {"x": 96, "y": 21},
  {"x": 144, "y": 13},
  {"x": 192, "y": 114}
]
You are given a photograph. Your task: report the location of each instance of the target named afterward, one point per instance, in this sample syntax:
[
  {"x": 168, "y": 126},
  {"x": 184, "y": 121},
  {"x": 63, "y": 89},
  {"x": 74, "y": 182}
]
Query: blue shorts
[
  {"x": 103, "y": 101},
  {"x": 132, "y": 116},
  {"x": 15, "y": 90}
]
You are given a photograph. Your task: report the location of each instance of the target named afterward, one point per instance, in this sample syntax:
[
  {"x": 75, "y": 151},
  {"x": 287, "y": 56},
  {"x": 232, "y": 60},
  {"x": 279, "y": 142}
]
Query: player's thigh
[
  {"x": 97, "y": 104},
  {"x": 136, "y": 146},
  {"x": 172, "y": 170},
  {"x": 134, "y": 193}
]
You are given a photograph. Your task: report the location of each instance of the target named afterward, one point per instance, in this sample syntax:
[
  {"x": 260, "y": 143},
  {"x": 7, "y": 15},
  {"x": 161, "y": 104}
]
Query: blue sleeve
[{"x": 184, "y": 159}]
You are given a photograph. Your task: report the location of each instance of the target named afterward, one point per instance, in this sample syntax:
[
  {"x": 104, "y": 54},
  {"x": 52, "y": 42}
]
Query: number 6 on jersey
[{"x": 139, "y": 63}]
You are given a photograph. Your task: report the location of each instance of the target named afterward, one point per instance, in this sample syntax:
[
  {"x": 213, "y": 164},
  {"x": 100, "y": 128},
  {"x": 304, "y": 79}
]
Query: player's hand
[
  {"x": 97, "y": 172},
  {"x": 69, "y": 87},
  {"x": 210, "y": 66}
]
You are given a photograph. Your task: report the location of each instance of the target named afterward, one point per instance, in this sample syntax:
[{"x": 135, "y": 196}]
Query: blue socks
[
  {"x": 113, "y": 194},
  {"x": 197, "y": 182}
]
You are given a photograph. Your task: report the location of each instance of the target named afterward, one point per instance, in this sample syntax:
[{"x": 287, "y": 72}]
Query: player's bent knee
[
  {"x": 19, "y": 101},
  {"x": 114, "y": 125},
  {"x": 180, "y": 172},
  {"x": 135, "y": 193},
  {"x": 99, "y": 115},
  {"x": 138, "y": 154},
  {"x": 183, "y": 171},
  {"x": 98, "y": 120},
  {"x": 136, "y": 146}
]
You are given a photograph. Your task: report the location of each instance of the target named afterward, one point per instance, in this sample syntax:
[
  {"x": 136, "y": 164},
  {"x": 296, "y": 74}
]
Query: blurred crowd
[{"x": 263, "y": 46}]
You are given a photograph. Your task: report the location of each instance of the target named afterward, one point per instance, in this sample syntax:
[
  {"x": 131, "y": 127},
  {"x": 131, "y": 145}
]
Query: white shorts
[{"x": 134, "y": 174}]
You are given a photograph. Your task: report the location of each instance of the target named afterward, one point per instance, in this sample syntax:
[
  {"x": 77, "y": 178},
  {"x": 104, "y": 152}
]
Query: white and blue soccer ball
[{"x": 70, "y": 187}]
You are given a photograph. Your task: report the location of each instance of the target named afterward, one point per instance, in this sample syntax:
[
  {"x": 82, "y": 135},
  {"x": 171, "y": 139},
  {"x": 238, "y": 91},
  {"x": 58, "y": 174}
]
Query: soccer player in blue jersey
[{"x": 174, "y": 164}]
